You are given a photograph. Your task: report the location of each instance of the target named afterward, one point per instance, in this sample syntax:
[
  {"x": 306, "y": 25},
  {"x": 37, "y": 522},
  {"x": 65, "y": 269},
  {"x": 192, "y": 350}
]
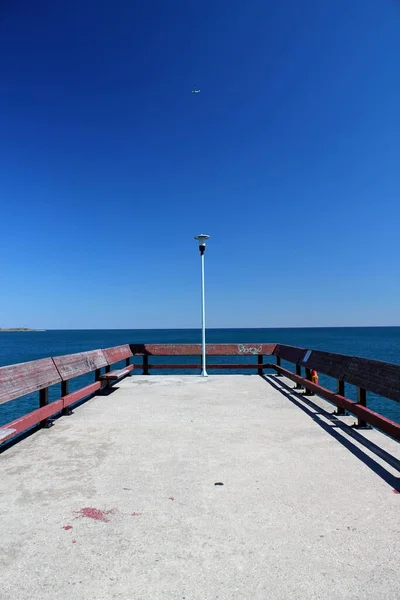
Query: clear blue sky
[{"x": 289, "y": 158}]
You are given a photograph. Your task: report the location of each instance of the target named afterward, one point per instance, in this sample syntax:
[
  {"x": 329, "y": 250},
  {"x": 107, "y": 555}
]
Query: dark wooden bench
[
  {"x": 329, "y": 363},
  {"x": 112, "y": 356},
  {"x": 375, "y": 376},
  {"x": 292, "y": 354},
  {"x": 367, "y": 375},
  {"x": 256, "y": 349}
]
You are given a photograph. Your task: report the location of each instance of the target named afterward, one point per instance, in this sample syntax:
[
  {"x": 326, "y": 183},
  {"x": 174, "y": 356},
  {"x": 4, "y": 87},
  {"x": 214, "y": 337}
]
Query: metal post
[
  {"x": 362, "y": 399},
  {"x": 298, "y": 386},
  {"x": 308, "y": 377},
  {"x": 278, "y": 362},
  {"x": 260, "y": 361},
  {"x": 203, "y": 316},
  {"x": 340, "y": 412},
  {"x": 43, "y": 401},
  {"x": 66, "y": 411},
  {"x": 145, "y": 364},
  {"x": 202, "y": 238}
]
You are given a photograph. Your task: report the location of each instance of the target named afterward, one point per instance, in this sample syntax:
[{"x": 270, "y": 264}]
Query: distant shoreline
[{"x": 18, "y": 329}]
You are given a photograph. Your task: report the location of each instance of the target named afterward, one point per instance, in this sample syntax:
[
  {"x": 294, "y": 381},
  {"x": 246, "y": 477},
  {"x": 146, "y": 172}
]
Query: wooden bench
[
  {"x": 329, "y": 363},
  {"x": 292, "y": 354},
  {"x": 374, "y": 376},
  {"x": 25, "y": 378},
  {"x": 39, "y": 375},
  {"x": 74, "y": 365},
  {"x": 367, "y": 375},
  {"x": 112, "y": 356}
]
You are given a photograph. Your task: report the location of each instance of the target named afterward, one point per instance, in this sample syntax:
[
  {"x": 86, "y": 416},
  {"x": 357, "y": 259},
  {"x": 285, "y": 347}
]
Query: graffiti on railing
[{"x": 242, "y": 349}]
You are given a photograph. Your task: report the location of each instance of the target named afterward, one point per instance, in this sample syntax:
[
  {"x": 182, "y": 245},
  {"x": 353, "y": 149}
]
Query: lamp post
[{"x": 202, "y": 247}]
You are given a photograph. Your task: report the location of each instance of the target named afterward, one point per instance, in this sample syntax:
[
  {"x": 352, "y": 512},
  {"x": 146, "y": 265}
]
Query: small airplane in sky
[{"x": 195, "y": 91}]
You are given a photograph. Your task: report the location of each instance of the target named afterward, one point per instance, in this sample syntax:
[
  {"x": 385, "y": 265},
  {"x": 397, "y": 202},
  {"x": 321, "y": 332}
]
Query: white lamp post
[{"x": 202, "y": 247}]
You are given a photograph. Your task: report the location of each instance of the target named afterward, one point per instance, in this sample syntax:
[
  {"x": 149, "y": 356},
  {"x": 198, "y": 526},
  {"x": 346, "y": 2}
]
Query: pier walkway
[{"x": 118, "y": 500}]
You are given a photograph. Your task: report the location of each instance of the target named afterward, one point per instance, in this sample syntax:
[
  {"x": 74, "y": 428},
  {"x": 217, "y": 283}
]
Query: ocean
[{"x": 381, "y": 343}]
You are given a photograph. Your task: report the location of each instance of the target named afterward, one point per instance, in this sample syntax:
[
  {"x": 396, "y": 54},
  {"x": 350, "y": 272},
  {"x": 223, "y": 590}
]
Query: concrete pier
[{"x": 119, "y": 499}]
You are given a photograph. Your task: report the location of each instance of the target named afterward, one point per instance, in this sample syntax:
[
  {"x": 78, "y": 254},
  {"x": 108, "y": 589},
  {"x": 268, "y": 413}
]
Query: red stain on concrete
[
  {"x": 171, "y": 498},
  {"x": 74, "y": 541},
  {"x": 95, "y": 513},
  {"x": 126, "y": 489},
  {"x": 67, "y": 527}
]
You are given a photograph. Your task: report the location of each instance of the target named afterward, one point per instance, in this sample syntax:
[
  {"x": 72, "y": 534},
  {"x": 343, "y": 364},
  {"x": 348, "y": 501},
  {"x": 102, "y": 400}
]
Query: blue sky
[{"x": 289, "y": 158}]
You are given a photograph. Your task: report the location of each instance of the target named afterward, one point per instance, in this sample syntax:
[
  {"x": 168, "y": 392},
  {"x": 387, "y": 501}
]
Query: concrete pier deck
[{"x": 119, "y": 500}]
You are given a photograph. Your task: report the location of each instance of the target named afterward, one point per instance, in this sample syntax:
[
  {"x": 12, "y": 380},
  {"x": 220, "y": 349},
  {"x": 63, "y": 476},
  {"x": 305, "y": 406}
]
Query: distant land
[{"x": 19, "y": 329}]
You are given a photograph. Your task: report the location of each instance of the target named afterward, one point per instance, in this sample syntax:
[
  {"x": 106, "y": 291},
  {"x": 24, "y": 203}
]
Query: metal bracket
[
  {"x": 340, "y": 412},
  {"x": 361, "y": 426}
]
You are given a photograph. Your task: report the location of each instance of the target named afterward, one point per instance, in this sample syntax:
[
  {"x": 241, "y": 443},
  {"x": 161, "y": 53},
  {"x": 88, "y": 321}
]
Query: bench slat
[
  {"x": 6, "y": 433},
  {"x": 329, "y": 363},
  {"x": 375, "y": 376},
  {"x": 116, "y": 374},
  {"x": 196, "y": 349},
  {"x": 73, "y": 365},
  {"x": 292, "y": 354},
  {"x": 25, "y": 378},
  {"x": 117, "y": 353}
]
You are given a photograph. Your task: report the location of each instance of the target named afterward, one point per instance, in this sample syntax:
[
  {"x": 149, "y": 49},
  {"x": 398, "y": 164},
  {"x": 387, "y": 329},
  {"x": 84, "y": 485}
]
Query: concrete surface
[{"x": 306, "y": 510}]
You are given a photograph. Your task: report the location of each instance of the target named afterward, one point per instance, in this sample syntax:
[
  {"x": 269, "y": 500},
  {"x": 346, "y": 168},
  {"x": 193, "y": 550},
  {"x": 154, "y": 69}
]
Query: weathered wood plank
[
  {"x": 329, "y": 363},
  {"x": 292, "y": 354},
  {"x": 73, "y": 365},
  {"x": 88, "y": 390},
  {"x": 6, "y": 433},
  {"x": 248, "y": 349},
  {"x": 116, "y": 374},
  {"x": 33, "y": 418},
  {"x": 232, "y": 366},
  {"x": 375, "y": 376},
  {"x": 25, "y": 378},
  {"x": 117, "y": 353}
]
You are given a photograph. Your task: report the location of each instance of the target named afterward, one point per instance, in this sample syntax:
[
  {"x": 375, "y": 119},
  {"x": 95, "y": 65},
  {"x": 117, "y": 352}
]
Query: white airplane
[{"x": 195, "y": 91}]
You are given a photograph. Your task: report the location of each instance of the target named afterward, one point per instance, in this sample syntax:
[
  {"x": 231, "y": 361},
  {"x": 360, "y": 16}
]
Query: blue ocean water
[{"x": 381, "y": 343}]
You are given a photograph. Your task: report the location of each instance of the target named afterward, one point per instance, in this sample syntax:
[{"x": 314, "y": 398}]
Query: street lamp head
[{"x": 202, "y": 238}]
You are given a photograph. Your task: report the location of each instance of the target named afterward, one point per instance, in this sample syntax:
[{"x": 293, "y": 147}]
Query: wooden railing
[
  {"x": 38, "y": 376},
  {"x": 189, "y": 350}
]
